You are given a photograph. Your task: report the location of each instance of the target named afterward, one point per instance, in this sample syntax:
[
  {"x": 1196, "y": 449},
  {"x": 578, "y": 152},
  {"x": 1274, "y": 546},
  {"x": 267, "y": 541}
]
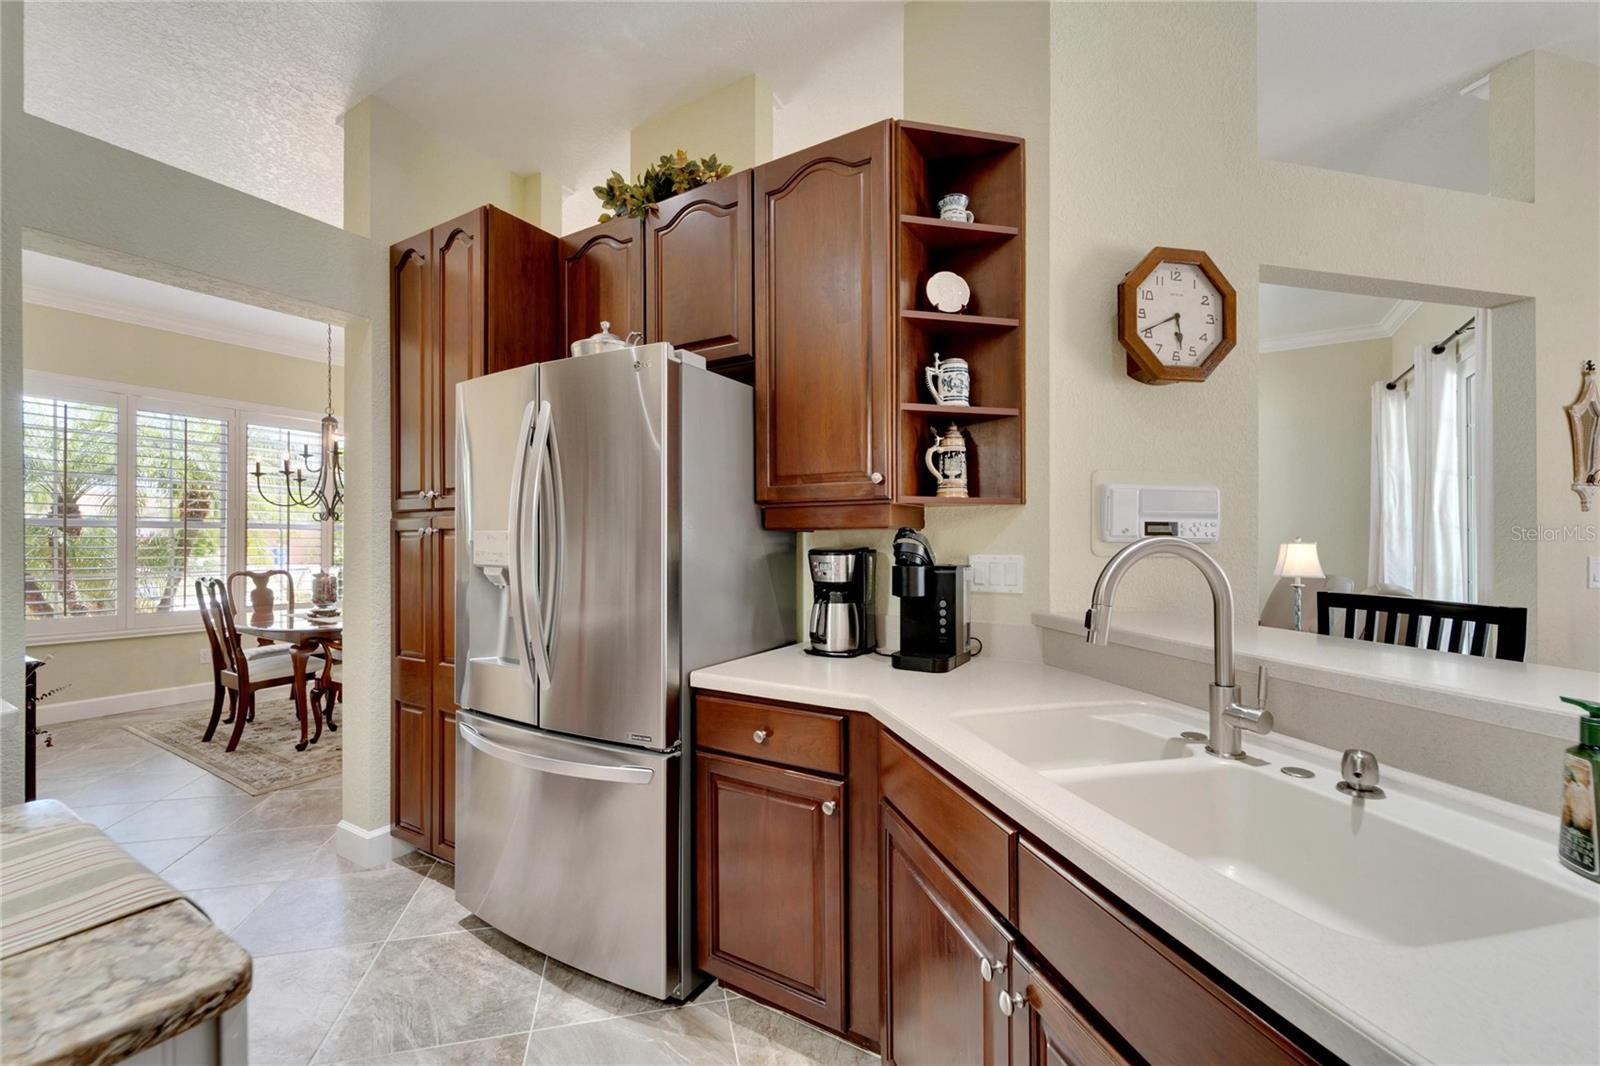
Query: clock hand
[
  {"x": 1177, "y": 328},
  {"x": 1163, "y": 322}
]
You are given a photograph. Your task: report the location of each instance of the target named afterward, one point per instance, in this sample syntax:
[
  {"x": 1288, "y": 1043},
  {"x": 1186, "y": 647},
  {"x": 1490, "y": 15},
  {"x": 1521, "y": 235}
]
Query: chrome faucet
[{"x": 1228, "y": 715}]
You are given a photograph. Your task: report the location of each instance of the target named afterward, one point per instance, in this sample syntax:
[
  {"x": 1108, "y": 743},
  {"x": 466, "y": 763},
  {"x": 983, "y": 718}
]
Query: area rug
[{"x": 265, "y": 760}]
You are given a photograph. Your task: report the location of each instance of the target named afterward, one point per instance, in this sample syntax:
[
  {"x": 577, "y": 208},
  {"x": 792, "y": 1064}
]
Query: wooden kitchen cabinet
[
  {"x": 945, "y": 958},
  {"x": 697, "y": 269},
  {"x": 602, "y": 280},
  {"x": 422, "y": 747},
  {"x": 1047, "y": 1027},
  {"x": 771, "y": 865},
  {"x": 965, "y": 940},
  {"x": 824, "y": 372},
  {"x": 472, "y": 296}
]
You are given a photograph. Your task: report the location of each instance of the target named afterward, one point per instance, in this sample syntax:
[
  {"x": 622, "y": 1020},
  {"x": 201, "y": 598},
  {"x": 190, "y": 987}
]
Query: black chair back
[{"x": 1462, "y": 628}]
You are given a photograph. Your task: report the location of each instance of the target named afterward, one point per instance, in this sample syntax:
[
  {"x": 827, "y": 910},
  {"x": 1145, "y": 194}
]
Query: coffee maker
[
  {"x": 934, "y": 634},
  {"x": 842, "y": 584}
]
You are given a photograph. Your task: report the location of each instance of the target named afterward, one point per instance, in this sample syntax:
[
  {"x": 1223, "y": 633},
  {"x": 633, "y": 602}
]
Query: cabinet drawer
[
  {"x": 810, "y": 740},
  {"x": 977, "y": 842},
  {"x": 1166, "y": 1007}
]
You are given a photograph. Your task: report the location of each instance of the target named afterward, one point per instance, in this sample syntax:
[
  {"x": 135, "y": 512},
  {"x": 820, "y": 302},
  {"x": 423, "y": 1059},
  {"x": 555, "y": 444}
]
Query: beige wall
[
  {"x": 733, "y": 122},
  {"x": 984, "y": 66},
  {"x": 1429, "y": 324},
  {"x": 67, "y": 342},
  {"x": 401, "y": 178},
  {"x": 1182, "y": 75},
  {"x": 1315, "y": 454}
]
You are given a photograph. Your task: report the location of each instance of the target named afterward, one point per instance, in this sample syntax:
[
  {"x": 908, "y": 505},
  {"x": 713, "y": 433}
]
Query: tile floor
[{"x": 381, "y": 966}]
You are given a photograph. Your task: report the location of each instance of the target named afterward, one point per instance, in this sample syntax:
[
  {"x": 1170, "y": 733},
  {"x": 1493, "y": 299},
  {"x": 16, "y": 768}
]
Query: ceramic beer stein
[
  {"x": 947, "y": 460},
  {"x": 950, "y": 381},
  {"x": 953, "y": 208}
]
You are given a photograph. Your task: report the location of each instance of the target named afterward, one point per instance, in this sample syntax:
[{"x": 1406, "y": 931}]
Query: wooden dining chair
[
  {"x": 1459, "y": 628},
  {"x": 245, "y": 674},
  {"x": 330, "y": 684}
]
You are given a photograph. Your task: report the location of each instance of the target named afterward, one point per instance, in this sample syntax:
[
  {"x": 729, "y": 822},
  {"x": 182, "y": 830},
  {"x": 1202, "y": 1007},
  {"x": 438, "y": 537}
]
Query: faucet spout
[{"x": 1228, "y": 717}]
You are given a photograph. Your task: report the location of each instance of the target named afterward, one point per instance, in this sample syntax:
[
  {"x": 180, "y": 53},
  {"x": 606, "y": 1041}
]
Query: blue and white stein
[{"x": 950, "y": 382}]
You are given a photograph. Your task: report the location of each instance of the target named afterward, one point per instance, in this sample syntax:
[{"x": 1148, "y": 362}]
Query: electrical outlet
[
  {"x": 1594, "y": 571},
  {"x": 995, "y": 573}
]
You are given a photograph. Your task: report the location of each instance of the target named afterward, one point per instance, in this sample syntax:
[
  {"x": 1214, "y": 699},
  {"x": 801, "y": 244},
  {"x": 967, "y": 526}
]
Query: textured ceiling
[{"x": 250, "y": 94}]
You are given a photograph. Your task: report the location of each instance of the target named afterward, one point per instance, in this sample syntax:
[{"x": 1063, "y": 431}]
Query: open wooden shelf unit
[{"x": 932, "y": 161}]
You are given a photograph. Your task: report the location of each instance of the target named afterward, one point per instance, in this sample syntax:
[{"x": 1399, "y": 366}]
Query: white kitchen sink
[
  {"x": 1075, "y": 735},
  {"x": 1385, "y": 873}
]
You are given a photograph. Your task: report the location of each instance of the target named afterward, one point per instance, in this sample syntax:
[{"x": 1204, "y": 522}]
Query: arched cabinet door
[
  {"x": 459, "y": 249},
  {"x": 823, "y": 302},
  {"x": 602, "y": 280},
  {"x": 410, "y": 327},
  {"x": 697, "y": 271}
]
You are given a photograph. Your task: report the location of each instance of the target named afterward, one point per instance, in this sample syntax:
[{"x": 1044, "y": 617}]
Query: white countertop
[
  {"x": 1520, "y": 997},
  {"x": 1522, "y": 696}
]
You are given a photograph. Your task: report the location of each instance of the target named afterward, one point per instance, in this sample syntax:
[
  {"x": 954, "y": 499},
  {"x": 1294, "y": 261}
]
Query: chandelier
[{"x": 325, "y": 493}]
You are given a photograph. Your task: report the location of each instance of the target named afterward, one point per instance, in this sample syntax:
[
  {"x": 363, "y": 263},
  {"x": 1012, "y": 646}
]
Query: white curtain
[
  {"x": 1441, "y": 541},
  {"x": 1392, "y": 543}
]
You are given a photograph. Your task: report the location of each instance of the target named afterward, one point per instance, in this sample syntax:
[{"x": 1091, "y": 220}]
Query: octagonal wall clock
[{"x": 1176, "y": 316}]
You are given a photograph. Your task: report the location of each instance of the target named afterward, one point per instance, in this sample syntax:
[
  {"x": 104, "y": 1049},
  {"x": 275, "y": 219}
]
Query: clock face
[{"x": 1178, "y": 314}]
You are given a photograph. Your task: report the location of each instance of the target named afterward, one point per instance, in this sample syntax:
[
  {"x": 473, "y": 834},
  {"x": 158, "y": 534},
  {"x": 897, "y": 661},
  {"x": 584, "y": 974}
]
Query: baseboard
[
  {"x": 51, "y": 713},
  {"x": 368, "y": 847}
]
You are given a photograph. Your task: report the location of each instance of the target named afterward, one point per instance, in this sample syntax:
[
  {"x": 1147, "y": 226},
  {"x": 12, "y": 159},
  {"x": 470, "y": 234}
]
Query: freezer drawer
[{"x": 572, "y": 848}]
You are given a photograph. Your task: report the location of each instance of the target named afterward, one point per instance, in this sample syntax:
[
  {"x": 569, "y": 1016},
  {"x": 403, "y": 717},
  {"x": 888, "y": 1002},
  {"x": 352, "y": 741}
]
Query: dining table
[{"x": 306, "y": 633}]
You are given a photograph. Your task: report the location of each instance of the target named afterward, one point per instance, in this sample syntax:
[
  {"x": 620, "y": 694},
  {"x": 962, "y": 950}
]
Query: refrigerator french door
[{"x": 612, "y": 544}]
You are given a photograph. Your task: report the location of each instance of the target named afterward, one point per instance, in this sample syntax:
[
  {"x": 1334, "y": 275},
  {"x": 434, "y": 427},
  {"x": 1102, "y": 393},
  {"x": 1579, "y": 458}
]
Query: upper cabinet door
[
  {"x": 411, "y": 342},
  {"x": 824, "y": 380},
  {"x": 460, "y": 255},
  {"x": 697, "y": 270},
  {"x": 602, "y": 280}
]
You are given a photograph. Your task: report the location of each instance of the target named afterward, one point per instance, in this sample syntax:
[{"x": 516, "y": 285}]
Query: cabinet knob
[
  {"x": 875, "y": 477},
  {"x": 828, "y": 807},
  {"x": 760, "y": 736},
  {"x": 1009, "y": 1002},
  {"x": 990, "y": 967}
]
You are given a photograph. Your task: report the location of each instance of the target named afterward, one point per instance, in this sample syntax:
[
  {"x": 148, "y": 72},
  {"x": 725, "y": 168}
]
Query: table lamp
[{"x": 1298, "y": 560}]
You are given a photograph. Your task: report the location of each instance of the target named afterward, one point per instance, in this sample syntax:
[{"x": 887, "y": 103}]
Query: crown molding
[
  {"x": 1382, "y": 329},
  {"x": 117, "y": 311}
]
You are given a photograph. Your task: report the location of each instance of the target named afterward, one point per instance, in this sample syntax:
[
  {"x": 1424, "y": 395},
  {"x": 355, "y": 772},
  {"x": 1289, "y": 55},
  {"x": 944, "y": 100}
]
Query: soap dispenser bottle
[{"x": 1579, "y": 847}]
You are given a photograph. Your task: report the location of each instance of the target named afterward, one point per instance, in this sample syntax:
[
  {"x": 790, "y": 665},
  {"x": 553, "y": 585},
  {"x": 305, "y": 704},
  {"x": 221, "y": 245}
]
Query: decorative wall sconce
[{"x": 1583, "y": 419}]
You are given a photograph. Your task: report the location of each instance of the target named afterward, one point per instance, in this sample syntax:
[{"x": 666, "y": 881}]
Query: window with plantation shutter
[
  {"x": 70, "y": 476},
  {"x": 180, "y": 471},
  {"x": 131, "y": 496}
]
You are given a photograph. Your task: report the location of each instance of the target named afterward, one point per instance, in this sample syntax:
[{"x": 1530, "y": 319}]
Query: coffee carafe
[
  {"x": 843, "y": 581},
  {"x": 934, "y": 634}
]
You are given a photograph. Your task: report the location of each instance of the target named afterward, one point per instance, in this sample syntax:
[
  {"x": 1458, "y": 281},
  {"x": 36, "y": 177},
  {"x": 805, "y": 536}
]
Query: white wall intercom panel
[{"x": 1129, "y": 512}]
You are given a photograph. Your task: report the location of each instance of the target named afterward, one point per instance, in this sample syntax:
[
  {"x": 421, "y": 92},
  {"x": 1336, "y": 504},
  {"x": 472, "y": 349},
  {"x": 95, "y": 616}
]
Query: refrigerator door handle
[
  {"x": 621, "y": 775},
  {"x": 533, "y": 643},
  {"x": 558, "y": 509}
]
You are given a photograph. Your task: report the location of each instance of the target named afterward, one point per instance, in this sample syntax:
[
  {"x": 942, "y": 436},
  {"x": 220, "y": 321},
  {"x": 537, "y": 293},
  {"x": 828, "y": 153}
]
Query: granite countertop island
[
  {"x": 1514, "y": 995},
  {"x": 109, "y": 992}
]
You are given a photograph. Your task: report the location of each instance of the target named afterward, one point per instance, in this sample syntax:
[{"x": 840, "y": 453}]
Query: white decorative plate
[{"x": 948, "y": 292}]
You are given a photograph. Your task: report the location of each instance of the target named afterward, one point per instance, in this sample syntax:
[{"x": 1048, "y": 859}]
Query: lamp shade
[{"x": 1298, "y": 558}]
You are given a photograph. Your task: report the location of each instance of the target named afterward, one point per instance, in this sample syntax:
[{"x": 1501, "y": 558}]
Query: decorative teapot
[
  {"x": 950, "y": 381},
  {"x": 947, "y": 460},
  {"x": 605, "y": 341}
]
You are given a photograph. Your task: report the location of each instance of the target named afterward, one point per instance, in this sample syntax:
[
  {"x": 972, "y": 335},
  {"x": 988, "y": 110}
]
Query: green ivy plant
[{"x": 669, "y": 176}]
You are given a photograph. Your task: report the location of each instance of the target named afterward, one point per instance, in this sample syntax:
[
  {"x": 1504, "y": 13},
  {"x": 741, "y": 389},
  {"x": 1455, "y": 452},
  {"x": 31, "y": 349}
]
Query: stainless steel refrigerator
[{"x": 609, "y": 543}]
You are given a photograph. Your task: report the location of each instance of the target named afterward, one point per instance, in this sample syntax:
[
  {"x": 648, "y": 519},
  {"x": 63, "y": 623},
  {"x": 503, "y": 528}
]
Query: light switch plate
[
  {"x": 995, "y": 573},
  {"x": 1594, "y": 571}
]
